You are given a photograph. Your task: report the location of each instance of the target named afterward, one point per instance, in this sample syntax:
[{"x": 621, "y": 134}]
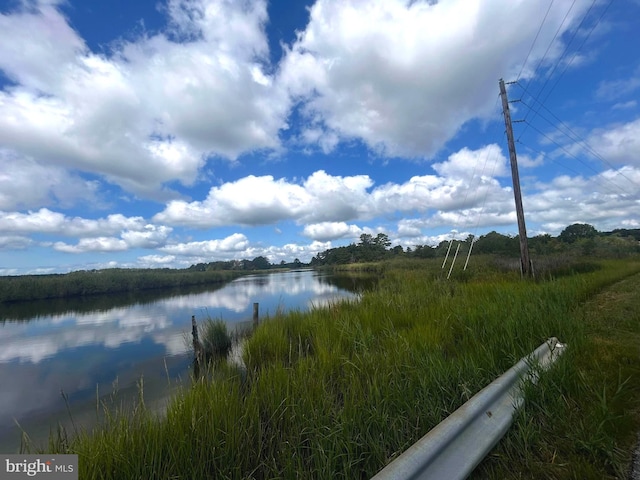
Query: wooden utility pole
[{"x": 525, "y": 260}]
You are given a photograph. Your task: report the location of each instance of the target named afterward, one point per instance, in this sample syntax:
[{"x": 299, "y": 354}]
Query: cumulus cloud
[
  {"x": 14, "y": 242},
  {"x": 331, "y": 231},
  {"x": 152, "y": 110},
  {"x": 98, "y": 244},
  {"x": 149, "y": 236},
  {"x": 155, "y": 261},
  {"x": 232, "y": 243},
  {"x": 48, "y": 221},
  {"x": 263, "y": 200},
  {"x": 594, "y": 200},
  {"x": 97, "y": 235},
  {"x": 467, "y": 163},
  {"x": 324, "y": 203},
  {"x": 404, "y": 76},
  {"x": 18, "y": 175},
  {"x": 401, "y": 76},
  {"x": 619, "y": 144}
]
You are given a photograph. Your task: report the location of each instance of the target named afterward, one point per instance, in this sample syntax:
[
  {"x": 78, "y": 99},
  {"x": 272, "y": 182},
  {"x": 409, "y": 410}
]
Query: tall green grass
[{"x": 341, "y": 391}]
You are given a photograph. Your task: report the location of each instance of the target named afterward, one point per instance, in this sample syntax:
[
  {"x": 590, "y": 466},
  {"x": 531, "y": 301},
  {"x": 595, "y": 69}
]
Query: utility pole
[{"x": 525, "y": 260}]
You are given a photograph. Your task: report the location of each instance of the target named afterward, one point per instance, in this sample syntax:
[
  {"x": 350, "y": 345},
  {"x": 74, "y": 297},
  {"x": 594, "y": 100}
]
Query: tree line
[
  {"x": 96, "y": 282},
  {"x": 576, "y": 239},
  {"x": 258, "y": 263}
]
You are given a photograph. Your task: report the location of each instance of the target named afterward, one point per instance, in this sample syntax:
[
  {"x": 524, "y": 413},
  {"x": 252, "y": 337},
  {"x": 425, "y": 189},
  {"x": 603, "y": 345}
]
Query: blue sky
[{"x": 167, "y": 133}]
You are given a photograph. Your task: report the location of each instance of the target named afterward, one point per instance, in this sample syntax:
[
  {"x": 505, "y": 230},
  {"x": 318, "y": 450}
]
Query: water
[{"x": 87, "y": 349}]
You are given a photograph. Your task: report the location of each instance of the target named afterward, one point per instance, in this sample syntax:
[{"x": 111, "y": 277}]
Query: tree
[
  {"x": 576, "y": 232},
  {"x": 496, "y": 243},
  {"x": 423, "y": 251},
  {"x": 261, "y": 263},
  {"x": 382, "y": 240},
  {"x": 365, "y": 240}
]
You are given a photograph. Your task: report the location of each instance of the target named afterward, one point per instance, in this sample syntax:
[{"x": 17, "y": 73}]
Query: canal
[{"x": 61, "y": 361}]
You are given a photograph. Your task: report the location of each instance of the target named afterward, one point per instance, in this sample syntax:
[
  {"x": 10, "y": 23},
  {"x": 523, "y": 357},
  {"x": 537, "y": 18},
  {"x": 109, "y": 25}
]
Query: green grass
[
  {"x": 216, "y": 340},
  {"x": 584, "y": 417},
  {"x": 339, "y": 392}
]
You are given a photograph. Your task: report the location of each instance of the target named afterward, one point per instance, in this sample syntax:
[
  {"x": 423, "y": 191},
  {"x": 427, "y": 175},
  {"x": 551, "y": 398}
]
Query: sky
[{"x": 164, "y": 133}]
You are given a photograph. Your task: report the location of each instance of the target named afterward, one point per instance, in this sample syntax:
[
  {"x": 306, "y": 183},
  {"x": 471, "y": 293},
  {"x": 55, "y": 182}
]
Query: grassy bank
[
  {"x": 99, "y": 282},
  {"x": 339, "y": 392}
]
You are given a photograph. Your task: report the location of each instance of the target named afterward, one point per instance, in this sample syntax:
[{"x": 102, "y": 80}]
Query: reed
[{"x": 338, "y": 392}]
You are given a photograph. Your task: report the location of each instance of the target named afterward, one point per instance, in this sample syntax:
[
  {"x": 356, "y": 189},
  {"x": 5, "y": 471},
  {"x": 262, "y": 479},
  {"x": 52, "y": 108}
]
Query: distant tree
[
  {"x": 496, "y": 243},
  {"x": 397, "y": 250},
  {"x": 365, "y": 240},
  {"x": 382, "y": 241},
  {"x": 544, "y": 244},
  {"x": 623, "y": 232},
  {"x": 261, "y": 263},
  {"x": 423, "y": 251},
  {"x": 576, "y": 232}
]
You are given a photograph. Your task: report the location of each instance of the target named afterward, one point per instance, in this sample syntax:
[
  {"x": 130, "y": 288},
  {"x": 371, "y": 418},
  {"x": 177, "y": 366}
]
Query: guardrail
[{"x": 458, "y": 444}]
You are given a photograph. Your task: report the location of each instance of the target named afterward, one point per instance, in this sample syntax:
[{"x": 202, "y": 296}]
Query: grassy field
[{"x": 339, "y": 392}]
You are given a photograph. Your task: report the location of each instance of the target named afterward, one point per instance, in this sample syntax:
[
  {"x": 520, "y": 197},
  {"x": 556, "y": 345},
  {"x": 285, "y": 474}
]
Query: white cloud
[
  {"x": 97, "y": 235},
  {"x": 18, "y": 175},
  {"x": 153, "y": 109},
  {"x": 625, "y": 105},
  {"x": 98, "y": 244},
  {"x": 156, "y": 261},
  {"x": 232, "y": 243},
  {"x": 263, "y": 200},
  {"x": 594, "y": 200},
  {"x": 325, "y": 203},
  {"x": 467, "y": 163},
  {"x": 331, "y": 231},
  {"x": 611, "y": 90},
  {"x": 47, "y": 221},
  {"x": 249, "y": 201},
  {"x": 405, "y": 76},
  {"x": 618, "y": 144},
  {"x": 149, "y": 236},
  {"x": 14, "y": 242}
]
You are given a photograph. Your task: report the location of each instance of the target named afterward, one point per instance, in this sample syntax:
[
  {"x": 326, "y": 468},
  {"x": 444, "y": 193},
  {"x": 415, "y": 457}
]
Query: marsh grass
[
  {"x": 216, "y": 339},
  {"x": 582, "y": 420},
  {"x": 339, "y": 392}
]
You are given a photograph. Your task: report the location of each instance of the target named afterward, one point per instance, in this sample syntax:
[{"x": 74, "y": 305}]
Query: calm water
[{"x": 91, "y": 348}]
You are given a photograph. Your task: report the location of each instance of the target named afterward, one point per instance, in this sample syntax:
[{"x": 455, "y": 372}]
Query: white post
[
  {"x": 447, "y": 255},
  {"x": 454, "y": 261},
  {"x": 469, "y": 254}
]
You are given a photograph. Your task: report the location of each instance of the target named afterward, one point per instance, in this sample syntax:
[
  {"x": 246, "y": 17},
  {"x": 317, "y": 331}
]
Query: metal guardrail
[{"x": 458, "y": 444}]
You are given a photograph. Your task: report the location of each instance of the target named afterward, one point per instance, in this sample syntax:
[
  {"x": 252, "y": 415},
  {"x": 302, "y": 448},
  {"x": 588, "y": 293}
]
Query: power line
[
  {"x": 564, "y": 52},
  {"x": 539, "y": 152},
  {"x": 618, "y": 188},
  {"x": 550, "y": 72},
  {"x": 584, "y": 40},
  {"x": 534, "y": 41},
  {"x": 575, "y": 137},
  {"x": 554, "y": 37}
]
